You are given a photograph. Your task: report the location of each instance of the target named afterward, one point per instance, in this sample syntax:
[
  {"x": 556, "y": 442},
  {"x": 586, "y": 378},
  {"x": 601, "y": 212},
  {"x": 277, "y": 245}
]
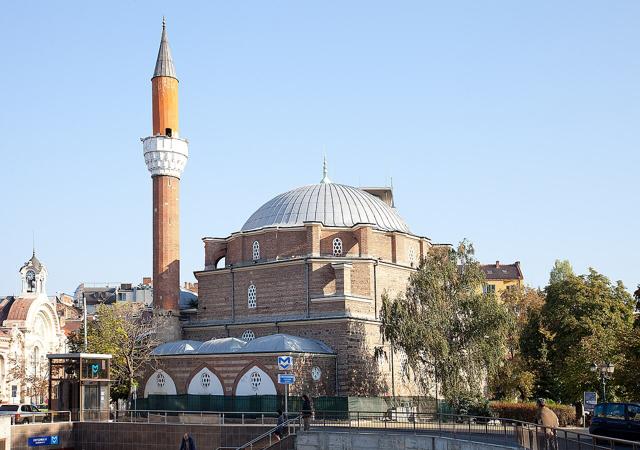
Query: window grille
[
  {"x": 337, "y": 247},
  {"x": 251, "y": 296},
  {"x": 248, "y": 335},
  {"x": 256, "y": 250}
]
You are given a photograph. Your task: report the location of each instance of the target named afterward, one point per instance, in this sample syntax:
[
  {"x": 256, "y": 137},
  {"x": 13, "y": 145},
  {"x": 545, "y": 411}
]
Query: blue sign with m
[{"x": 43, "y": 440}]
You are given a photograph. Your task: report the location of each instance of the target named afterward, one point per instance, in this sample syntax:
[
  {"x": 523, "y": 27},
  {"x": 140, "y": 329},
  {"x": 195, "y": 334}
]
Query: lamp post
[{"x": 606, "y": 372}]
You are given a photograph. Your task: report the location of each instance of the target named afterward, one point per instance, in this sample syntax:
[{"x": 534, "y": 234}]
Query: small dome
[
  {"x": 177, "y": 348},
  {"x": 188, "y": 299},
  {"x": 223, "y": 345},
  {"x": 334, "y": 205},
  {"x": 286, "y": 343}
]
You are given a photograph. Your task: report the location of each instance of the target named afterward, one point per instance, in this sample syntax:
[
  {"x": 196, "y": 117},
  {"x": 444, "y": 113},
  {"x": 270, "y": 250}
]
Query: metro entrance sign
[
  {"x": 42, "y": 440},
  {"x": 285, "y": 362}
]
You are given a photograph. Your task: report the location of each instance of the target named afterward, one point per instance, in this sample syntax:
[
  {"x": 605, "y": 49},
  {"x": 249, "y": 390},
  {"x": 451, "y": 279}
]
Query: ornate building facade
[
  {"x": 29, "y": 329},
  {"x": 303, "y": 277}
]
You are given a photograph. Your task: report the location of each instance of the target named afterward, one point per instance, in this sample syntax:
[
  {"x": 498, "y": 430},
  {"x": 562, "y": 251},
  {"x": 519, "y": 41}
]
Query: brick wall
[
  {"x": 230, "y": 368},
  {"x": 153, "y": 436}
]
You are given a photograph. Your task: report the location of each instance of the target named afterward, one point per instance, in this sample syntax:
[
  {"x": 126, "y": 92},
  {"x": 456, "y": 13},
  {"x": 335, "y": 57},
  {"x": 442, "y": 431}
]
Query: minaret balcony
[{"x": 165, "y": 155}]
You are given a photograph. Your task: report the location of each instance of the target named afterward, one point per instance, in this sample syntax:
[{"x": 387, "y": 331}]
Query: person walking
[
  {"x": 187, "y": 443},
  {"x": 549, "y": 421},
  {"x": 307, "y": 411},
  {"x": 282, "y": 418}
]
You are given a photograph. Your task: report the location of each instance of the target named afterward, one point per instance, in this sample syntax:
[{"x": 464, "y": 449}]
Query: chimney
[
  {"x": 146, "y": 280},
  {"x": 497, "y": 264}
]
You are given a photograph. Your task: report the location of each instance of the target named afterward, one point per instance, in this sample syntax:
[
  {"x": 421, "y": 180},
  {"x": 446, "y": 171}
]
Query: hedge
[{"x": 526, "y": 412}]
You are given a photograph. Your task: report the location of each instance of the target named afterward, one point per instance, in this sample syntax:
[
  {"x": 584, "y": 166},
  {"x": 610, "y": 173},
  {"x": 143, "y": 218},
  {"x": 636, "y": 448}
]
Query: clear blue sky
[{"x": 514, "y": 125}]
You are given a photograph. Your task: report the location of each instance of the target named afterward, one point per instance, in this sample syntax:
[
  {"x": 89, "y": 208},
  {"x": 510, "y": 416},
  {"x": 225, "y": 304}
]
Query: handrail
[
  {"x": 268, "y": 434},
  {"x": 34, "y": 417}
]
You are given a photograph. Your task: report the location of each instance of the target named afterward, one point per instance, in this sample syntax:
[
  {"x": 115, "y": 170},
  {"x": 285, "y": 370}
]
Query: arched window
[
  {"x": 205, "y": 380},
  {"x": 248, "y": 335},
  {"x": 256, "y": 380},
  {"x": 251, "y": 296},
  {"x": 337, "y": 247},
  {"x": 256, "y": 250},
  {"x": 412, "y": 256}
]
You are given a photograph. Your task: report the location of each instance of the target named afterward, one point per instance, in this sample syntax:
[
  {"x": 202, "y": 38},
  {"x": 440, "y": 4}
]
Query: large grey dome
[{"x": 334, "y": 205}]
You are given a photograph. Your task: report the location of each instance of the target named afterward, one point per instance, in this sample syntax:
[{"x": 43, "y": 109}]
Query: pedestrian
[
  {"x": 579, "y": 413},
  {"x": 307, "y": 411},
  {"x": 549, "y": 421},
  {"x": 187, "y": 443},
  {"x": 282, "y": 418}
]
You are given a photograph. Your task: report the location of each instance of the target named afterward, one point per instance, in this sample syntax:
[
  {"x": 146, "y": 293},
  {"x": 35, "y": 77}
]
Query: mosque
[{"x": 303, "y": 277}]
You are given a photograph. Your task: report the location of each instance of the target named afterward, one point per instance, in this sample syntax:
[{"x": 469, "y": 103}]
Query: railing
[
  {"x": 267, "y": 439},
  {"x": 194, "y": 417},
  {"x": 24, "y": 418},
  {"x": 486, "y": 429}
]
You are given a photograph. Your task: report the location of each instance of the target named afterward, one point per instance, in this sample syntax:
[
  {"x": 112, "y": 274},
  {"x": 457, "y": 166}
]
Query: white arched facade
[
  {"x": 205, "y": 382},
  {"x": 255, "y": 381},
  {"x": 160, "y": 383}
]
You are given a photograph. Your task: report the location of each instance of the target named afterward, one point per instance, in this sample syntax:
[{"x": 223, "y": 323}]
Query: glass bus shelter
[{"x": 79, "y": 383}]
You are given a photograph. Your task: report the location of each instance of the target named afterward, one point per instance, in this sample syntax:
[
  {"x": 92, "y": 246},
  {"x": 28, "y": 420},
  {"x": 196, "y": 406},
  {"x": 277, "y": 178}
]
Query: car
[
  {"x": 616, "y": 420},
  {"x": 23, "y": 413}
]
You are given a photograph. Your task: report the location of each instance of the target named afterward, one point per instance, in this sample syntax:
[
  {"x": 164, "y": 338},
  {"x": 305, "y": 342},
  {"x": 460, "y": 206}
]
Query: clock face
[{"x": 31, "y": 275}]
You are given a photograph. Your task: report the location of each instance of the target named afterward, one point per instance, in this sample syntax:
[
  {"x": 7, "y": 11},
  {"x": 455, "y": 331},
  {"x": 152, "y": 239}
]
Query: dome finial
[{"x": 325, "y": 171}]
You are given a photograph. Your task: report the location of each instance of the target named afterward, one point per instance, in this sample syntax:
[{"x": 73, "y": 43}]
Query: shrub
[{"x": 526, "y": 412}]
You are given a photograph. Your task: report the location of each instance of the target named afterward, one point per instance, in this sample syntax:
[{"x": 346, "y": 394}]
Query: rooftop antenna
[{"x": 33, "y": 242}]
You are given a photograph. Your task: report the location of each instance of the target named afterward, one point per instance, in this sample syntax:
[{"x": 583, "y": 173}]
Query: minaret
[{"x": 165, "y": 154}]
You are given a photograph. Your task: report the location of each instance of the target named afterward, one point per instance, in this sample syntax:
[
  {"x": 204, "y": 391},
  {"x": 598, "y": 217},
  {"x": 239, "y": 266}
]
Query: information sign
[
  {"x": 590, "y": 401},
  {"x": 286, "y": 378},
  {"x": 43, "y": 440}
]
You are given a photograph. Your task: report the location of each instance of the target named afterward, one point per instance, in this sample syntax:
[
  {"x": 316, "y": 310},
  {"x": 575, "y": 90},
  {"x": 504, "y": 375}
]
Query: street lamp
[{"x": 606, "y": 372}]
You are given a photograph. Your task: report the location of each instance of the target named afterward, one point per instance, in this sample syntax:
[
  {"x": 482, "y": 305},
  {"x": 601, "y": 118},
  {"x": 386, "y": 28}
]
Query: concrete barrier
[{"x": 368, "y": 440}]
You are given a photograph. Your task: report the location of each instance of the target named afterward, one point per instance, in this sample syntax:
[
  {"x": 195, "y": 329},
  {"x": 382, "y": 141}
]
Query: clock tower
[
  {"x": 166, "y": 154},
  {"x": 34, "y": 277}
]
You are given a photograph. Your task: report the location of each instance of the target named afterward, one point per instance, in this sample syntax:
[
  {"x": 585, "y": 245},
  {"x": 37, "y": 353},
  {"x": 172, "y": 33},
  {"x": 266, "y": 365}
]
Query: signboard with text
[
  {"x": 590, "y": 401},
  {"x": 286, "y": 378},
  {"x": 43, "y": 440}
]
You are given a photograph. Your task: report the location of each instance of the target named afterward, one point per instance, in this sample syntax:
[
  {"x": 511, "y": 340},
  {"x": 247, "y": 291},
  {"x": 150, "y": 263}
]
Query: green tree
[
  {"x": 580, "y": 323},
  {"x": 561, "y": 271},
  {"x": 515, "y": 379},
  {"x": 127, "y": 332},
  {"x": 450, "y": 331}
]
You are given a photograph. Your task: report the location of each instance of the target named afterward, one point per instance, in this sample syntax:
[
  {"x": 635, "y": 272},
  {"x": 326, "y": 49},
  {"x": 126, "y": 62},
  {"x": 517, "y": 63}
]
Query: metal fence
[
  {"x": 484, "y": 429},
  {"x": 26, "y": 418},
  {"x": 271, "y": 403}
]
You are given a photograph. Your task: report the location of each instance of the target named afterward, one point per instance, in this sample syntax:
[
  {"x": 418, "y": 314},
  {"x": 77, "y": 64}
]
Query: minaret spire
[
  {"x": 164, "y": 62},
  {"x": 325, "y": 171},
  {"x": 166, "y": 155}
]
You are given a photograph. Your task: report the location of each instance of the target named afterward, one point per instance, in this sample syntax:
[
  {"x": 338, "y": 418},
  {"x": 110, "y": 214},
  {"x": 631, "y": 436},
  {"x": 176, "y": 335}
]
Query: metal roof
[
  {"x": 275, "y": 343},
  {"x": 164, "y": 63},
  {"x": 224, "y": 345},
  {"x": 286, "y": 343},
  {"x": 334, "y": 205},
  {"x": 177, "y": 348}
]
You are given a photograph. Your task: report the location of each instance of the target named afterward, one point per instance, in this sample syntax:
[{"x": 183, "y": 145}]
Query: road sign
[
  {"x": 590, "y": 401},
  {"x": 285, "y": 362},
  {"x": 43, "y": 440},
  {"x": 286, "y": 378}
]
